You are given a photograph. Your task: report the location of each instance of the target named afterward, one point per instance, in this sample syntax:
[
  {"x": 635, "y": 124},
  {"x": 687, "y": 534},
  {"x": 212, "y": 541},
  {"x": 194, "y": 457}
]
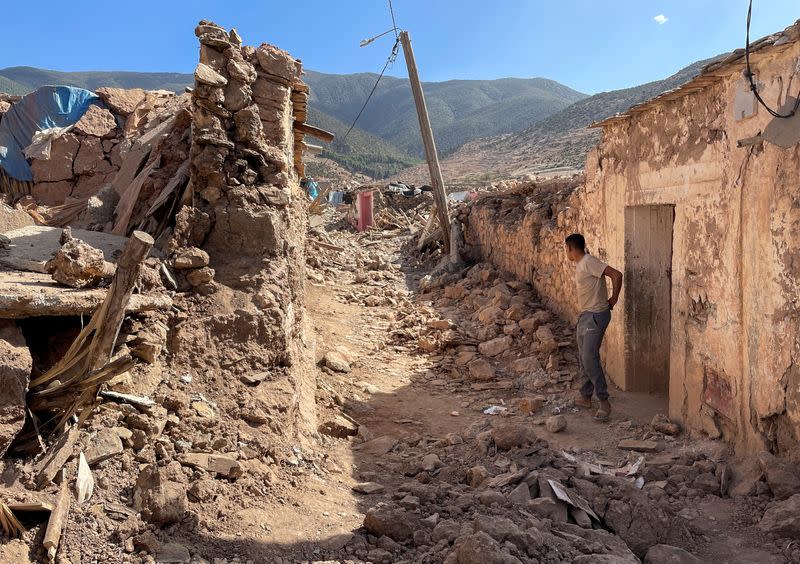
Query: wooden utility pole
[{"x": 439, "y": 195}]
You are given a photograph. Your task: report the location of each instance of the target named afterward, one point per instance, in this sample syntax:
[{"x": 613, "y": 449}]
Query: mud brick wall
[
  {"x": 248, "y": 212},
  {"x": 734, "y": 337}
]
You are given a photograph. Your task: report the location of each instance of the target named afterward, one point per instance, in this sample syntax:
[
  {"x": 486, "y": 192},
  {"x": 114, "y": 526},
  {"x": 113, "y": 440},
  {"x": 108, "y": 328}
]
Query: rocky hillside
[
  {"x": 460, "y": 110},
  {"x": 558, "y": 142}
]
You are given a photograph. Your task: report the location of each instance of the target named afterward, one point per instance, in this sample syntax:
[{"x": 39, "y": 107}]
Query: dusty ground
[{"x": 407, "y": 400}]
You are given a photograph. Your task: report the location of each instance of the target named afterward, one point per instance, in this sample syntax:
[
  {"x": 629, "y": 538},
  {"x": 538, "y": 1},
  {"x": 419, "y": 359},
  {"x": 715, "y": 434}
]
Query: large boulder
[
  {"x": 782, "y": 518},
  {"x": 782, "y": 477}
]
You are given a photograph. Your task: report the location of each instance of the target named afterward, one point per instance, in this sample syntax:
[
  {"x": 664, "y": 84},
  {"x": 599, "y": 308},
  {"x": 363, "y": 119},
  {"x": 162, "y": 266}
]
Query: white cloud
[{"x": 661, "y": 19}]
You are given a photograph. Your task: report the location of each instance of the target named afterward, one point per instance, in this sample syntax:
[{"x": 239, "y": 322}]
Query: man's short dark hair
[{"x": 576, "y": 241}]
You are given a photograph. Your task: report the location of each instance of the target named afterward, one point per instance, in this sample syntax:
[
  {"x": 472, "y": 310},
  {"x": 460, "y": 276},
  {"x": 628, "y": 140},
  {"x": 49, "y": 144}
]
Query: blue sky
[{"x": 589, "y": 45}]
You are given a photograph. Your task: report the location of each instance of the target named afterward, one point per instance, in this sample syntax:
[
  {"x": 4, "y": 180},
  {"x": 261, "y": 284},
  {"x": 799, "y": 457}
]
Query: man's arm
[{"x": 616, "y": 284}]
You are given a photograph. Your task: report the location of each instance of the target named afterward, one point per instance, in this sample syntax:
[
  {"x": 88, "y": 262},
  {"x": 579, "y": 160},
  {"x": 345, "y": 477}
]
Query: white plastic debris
[{"x": 495, "y": 410}]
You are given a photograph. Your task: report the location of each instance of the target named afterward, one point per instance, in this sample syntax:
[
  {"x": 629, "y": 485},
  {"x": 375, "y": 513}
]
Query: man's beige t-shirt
[{"x": 591, "y": 285}]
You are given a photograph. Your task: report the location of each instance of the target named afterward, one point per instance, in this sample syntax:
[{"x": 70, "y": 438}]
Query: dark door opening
[{"x": 648, "y": 297}]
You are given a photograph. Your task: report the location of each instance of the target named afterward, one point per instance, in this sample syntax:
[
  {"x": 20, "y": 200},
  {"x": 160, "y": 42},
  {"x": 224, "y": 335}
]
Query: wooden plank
[
  {"x": 326, "y": 136},
  {"x": 112, "y": 311},
  {"x": 125, "y": 206}
]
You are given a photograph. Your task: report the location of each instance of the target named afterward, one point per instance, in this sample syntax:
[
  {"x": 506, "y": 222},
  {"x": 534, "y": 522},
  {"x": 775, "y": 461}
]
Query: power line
[
  {"x": 749, "y": 74},
  {"x": 394, "y": 23},
  {"x": 389, "y": 61}
]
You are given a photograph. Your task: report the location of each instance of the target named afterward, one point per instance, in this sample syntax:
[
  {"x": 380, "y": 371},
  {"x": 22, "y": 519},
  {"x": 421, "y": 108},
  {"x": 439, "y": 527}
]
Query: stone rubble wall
[{"x": 735, "y": 341}]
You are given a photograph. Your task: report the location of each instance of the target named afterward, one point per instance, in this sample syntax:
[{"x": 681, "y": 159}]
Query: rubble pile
[
  {"x": 205, "y": 395},
  {"x": 500, "y": 490}
]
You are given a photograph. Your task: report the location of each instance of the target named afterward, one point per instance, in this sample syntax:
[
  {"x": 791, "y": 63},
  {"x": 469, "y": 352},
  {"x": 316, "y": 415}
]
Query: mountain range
[{"x": 483, "y": 128}]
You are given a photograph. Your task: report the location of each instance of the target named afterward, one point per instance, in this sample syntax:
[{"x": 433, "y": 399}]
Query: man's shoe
[
  {"x": 604, "y": 412},
  {"x": 583, "y": 401}
]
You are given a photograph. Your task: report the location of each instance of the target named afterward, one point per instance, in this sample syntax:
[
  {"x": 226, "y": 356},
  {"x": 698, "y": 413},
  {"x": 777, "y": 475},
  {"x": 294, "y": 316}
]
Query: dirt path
[{"x": 396, "y": 390}]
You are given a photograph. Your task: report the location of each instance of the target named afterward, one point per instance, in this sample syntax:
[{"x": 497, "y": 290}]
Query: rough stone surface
[
  {"x": 783, "y": 478},
  {"x": 12, "y": 218},
  {"x": 385, "y": 519},
  {"x": 106, "y": 444},
  {"x": 190, "y": 258},
  {"x": 78, "y": 265},
  {"x": 481, "y": 370},
  {"x": 782, "y": 518},
  {"x": 15, "y": 370},
  {"x": 121, "y": 100},
  {"x": 97, "y": 122},
  {"x": 336, "y": 362},
  {"x": 666, "y": 554},
  {"x": 160, "y": 498},
  {"x": 496, "y": 346},
  {"x": 63, "y": 151},
  {"x": 556, "y": 423}
]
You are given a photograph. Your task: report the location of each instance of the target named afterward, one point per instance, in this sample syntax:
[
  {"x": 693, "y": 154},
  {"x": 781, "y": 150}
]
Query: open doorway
[{"x": 648, "y": 297}]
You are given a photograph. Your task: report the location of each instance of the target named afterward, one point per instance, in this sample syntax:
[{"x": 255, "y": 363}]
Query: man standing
[{"x": 595, "y": 307}]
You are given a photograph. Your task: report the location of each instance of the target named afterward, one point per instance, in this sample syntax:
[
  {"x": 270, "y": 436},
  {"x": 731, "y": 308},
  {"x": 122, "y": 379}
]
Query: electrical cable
[
  {"x": 394, "y": 23},
  {"x": 389, "y": 61},
  {"x": 749, "y": 74}
]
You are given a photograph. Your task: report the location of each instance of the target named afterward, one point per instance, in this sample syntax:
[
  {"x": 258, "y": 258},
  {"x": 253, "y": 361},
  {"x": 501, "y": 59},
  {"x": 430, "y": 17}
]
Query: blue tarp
[{"x": 49, "y": 106}]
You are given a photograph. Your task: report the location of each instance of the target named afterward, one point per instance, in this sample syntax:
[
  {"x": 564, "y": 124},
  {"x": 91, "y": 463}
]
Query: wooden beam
[
  {"x": 113, "y": 309},
  {"x": 431, "y": 156},
  {"x": 326, "y": 136}
]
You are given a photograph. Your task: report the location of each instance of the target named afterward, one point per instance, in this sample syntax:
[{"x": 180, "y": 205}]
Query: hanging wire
[
  {"x": 389, "y": 61},
  {"x": 394, "y": 23},
  {"x": 749, "y": 74}
]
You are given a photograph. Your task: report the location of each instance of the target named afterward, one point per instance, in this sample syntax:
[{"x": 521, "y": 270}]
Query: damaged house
[{"x": 695, "y": 196}]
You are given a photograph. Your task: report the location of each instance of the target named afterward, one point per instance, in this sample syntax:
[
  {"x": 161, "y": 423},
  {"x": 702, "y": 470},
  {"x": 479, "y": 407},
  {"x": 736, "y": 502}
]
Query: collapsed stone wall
[
  {"x": 249, "y": 215},
  {"x": 734, "y": 337}
]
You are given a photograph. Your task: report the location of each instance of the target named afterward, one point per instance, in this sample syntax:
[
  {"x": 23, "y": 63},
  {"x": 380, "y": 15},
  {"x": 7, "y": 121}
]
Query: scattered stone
[
  {"x": 368, "y": 488},
  {"x": 782, "y": 477},
  {"x": 158, "y": 496},
  {"x": 384, "y": 519},
  {"x": 336, "y": 362},
  {"x": 254, "y": 378},
  {"x": 666, "y": 554},
  {"x": 173, "y": 552},
  {"x": 548, "y": 508},
  {"x": 477, "y": 475},
  {"x": 555, "y": 423},
  {"x": 495, "y": 346},
  {"x": 431, "y": 462},
  {"x": 96, "y": 121},
  {"x": 106, "y": 444},
  {"x": 480, "y": 548},
  {"x": 782, "y": 518},
  {"x": 377, "y": 447},
  {"x": 520, "y": 495},
  {"x": 121, "y": 100},
  {"x": 78, "y": 265},
  {"x": 662, "y": 424},
  {"x": 512, "y": 436},
  {"x": 339, "y": 427},
  {"x": 190, "y": 257},
  {"x": 215, "y": 463},
  {"x": 199, "y": 276},
  {"x": 481, "y": 370},
  {"x": 638, "y": 446}
]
